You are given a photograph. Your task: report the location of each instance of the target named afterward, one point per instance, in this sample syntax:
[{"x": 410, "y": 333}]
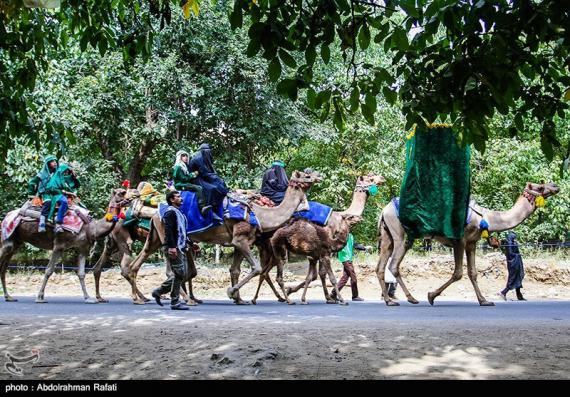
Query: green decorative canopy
[{"x": 435, "y": 191}]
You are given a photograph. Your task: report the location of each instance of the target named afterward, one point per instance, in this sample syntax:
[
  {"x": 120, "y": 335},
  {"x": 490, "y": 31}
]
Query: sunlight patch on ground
[{"x": 450, "y": 363}]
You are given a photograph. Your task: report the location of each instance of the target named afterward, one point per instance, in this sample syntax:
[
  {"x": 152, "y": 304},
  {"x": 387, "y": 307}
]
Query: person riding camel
[
  {"x": 213, "y": 187},
  {"x": 184, "y": 179},
  {"x": 275, "y": 182},
  {"x": 63, "y": 183},
  {"x": 37, "y": 187}
]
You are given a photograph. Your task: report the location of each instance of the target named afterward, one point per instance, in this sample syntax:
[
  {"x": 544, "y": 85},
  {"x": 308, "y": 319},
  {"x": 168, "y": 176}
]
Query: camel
[
  {"x": 392, "y": 239},
  {"x": 121, "y": 240},
  {"x": 27, "y": 232},
  {"x": 293, "y": 237},
  {"x": 307, "y": 238},
  {"x": 237, "y": 233}
]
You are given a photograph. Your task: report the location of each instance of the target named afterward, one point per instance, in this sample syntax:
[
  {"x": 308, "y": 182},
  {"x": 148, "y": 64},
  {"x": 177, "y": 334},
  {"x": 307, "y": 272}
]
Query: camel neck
[
  {"x": 100, "y": 228},
  {"x": 270, "y": 218},
  {"x": 504, "y": 220},
  {"x": 357, "y": 205}
]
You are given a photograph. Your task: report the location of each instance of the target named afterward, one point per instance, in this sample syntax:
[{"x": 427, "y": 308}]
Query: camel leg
[
  {"x": 125, "y": 247},
  {"x": 271, "y": 263},
  {"x": 54, "y": 259},
  {"x": 291, "y": 290},
  {"x": 268, "y": 263},
  {"x": 323, "y": 276},
  {"x": 192, "y": 272},
  {"x": 386, "y": 251},
  {"x": 265, "y": 269},
  {"x": 472, "y": 272},
  {"x": 279, "y": 279},
  {"x": 243, "y": 247},
  {"x": 395, "y": 269},
  {"x": 235, "y": 271},
  {"x": 81, "y": 275},
  {"x": 6, "y": 251},
  {"x": 151, "y": 245},
  {"x": 458, "y": 251},
  {"x": 311, "y": 276},
  {"x": 108, "y": 250},
  {"x": 326, "y": 261}
]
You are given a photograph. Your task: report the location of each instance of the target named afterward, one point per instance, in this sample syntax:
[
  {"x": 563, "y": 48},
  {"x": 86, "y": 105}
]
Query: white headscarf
[{"x": 179, "y": 161}]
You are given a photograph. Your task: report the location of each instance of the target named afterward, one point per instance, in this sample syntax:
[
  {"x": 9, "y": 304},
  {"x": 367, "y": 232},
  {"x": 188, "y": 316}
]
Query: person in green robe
[
  {"x": 345, "y": 257},
  {"x": 62, "y": 184},
  {"x": 184, "y": 179},
  {"x": 37, "y": 186}
]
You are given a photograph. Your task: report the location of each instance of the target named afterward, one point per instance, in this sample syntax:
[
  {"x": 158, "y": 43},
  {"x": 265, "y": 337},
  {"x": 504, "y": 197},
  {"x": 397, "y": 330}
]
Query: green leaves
[
  {"x": 236, "y": 16},
  {"x": 325, "y": 53},
  {"x": 288, "y": 87},
  {"x": 274, "y": 69},
  {"x": 400, "y": 39},
  {"x": 287, "y": 59},
  {"x": 354, "y": 99},
  {"x": 390, "y": 95},
  {"x": 409, "y": 6},
  {"x": 364, "y": 37}
]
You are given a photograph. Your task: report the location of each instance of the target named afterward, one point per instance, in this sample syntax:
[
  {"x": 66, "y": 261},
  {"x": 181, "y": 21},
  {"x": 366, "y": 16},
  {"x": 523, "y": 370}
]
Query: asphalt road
[
  {"x": 271, "y": 340},
  {"x": 503, "y": 313}
]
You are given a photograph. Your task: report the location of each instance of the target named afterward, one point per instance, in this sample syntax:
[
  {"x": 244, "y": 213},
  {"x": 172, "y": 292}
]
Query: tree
[
  {"x": 461, "y": 61},
  {"x": 31, "y": 37}
]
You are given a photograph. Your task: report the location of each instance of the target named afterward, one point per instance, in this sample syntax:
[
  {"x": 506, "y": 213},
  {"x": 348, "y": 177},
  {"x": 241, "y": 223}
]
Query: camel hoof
[
  {"x": 145, "y": 299},
  {"x": 281, "y": 300},
  {"x": 41, "y": 300},
  {"x": 487, "y": 303},
  {"x": 413, "y": 301},
  {"x": 139, "y": 302},
  {"x": 290, "y": 302},
  {"x": 242, "y": 303},
  {"x": 304, "y": 303},
  {"x": 191, "y": 302},
  {"x": 10, "y": 299},
  {"x": 392, "y": 303},
  {"x": 343, "y": 303},
  {"x": 102, "y": 300},
  {"x": 91, "y": 300},
  {"x": 198, "y": 301},
  {"x": 331, "y": 301},
  {"x": 431, "y": 297}
]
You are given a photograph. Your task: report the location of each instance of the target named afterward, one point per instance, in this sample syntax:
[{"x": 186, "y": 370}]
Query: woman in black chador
[
  {"x": 214, "y": 188},
  {"x": 275, "y": 182},
  {"x": 514, "y": 266}
]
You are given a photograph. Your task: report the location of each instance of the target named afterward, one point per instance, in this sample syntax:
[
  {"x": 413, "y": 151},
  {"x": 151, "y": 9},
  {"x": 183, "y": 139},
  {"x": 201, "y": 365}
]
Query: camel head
[
  {"x": 305, "y": 179},
  {"x": 542, "y": 189},
  {"x": 119, "y": 199},
  {"x": 365, "y": 182}
]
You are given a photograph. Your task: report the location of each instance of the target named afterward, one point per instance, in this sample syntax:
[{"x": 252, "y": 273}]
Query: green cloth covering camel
[{"x": 435, "y": 191}]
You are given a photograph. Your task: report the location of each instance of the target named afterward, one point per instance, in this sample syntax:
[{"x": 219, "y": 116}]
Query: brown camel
[
  {"x": 337, "y": 229},
  {"x": 393, "y": 239},
  {"x": 239, "y": 234},
  {"x": 27, "y": 232},
  {"x": 121, "y": 240},
  {"x": 309, "y": 239}
]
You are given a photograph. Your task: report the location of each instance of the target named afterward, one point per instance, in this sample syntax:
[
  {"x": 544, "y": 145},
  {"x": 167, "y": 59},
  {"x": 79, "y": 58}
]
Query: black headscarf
[
  {"x": 204, "y": 158},
  {"x": 274, "y": 183}
]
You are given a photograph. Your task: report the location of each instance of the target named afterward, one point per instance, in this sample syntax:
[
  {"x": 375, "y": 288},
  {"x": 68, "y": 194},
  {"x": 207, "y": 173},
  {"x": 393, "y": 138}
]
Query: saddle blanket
[{"x": 317, "y": 213}]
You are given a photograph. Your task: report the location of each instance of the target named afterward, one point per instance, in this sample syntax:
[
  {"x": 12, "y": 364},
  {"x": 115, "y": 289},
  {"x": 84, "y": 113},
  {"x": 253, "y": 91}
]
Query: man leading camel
[{"x": 174, "y": 251}]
